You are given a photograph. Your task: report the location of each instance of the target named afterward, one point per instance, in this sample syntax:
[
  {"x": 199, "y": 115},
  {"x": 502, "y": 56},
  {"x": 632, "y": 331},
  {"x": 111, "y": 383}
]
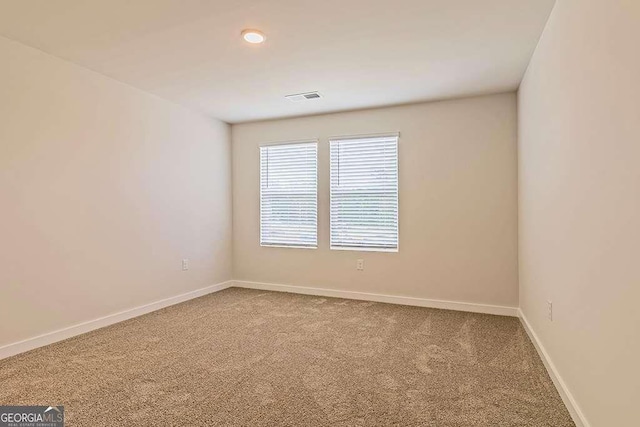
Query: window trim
[
  {"x": 367, "y": 136},
  {"x": 275, "y": 144}
]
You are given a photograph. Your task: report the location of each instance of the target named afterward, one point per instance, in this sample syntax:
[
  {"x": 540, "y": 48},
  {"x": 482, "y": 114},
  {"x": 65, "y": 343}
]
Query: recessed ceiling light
[{"x": 253, "y": 36}]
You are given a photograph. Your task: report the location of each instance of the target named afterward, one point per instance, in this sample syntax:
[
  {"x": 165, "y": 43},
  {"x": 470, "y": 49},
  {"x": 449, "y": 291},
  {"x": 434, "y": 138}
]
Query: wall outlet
[
  {"x": 185, "y": 264},
  {"x": 360, "y": 265},
  {"x": 550, "y": 311}
]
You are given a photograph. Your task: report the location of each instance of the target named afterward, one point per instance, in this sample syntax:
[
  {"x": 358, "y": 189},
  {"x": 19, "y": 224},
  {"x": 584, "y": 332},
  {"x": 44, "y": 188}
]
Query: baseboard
[
  {"x": 81, "y": 328},
  {"x": 390, "y": 299},
  {"x": 569, "y": 401}
]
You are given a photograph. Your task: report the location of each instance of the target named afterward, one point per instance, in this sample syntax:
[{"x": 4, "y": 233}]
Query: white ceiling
[{"x": 356, "y": 53}]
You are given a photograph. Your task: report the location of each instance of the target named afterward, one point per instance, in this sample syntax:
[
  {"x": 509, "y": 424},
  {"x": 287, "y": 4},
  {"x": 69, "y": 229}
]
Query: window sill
[
  {"x": 340, "y": 248},
  {"x": 287, "y": 246}
]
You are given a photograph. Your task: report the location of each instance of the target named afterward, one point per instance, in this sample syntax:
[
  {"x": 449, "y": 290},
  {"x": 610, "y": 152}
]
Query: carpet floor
[{"x": 243, "y": 357}]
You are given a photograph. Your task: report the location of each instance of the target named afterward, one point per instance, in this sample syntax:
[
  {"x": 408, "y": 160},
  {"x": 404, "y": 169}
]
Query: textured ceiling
[{"x": 356, "y": 53}]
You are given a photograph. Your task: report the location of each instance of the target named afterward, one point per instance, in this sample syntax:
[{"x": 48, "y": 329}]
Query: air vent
[{"x": 303, "y": 96}]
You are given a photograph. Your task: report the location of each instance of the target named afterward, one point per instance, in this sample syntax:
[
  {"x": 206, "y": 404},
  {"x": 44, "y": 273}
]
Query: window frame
[
  {"x": 395, "y": 135},
  {"x": 277, "y": 144}
]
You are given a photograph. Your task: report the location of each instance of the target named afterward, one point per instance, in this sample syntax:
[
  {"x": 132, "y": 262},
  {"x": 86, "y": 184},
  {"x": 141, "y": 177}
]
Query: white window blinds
[
  {"x": 364, "y": 193},
  {"x": 289, "y": 195}
]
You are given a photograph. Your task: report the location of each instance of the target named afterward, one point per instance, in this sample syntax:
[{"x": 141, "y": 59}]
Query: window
[
  {"x": 364, "y": 193},
  {"x": 289, "y": 195}
]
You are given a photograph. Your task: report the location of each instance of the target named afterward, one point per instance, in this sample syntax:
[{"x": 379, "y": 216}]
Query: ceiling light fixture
[{"x": 253, "y": 36}]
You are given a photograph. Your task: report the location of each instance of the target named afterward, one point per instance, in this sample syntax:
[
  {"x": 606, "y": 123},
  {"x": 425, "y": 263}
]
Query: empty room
[{"x": 320, "y": 213}]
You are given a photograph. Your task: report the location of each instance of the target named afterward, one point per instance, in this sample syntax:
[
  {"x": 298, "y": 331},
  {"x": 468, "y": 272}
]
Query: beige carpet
[{"x": 254, "y": 358}]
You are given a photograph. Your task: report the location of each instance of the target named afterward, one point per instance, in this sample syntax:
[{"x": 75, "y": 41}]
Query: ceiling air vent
[{"x": 303, "y": 96}]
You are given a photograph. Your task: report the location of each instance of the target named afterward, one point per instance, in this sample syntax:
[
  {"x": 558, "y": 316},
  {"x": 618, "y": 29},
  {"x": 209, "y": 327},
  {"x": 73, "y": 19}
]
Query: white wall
[
  {"x": 579, "y": 164},
  {"x": 104, "y": 189},
  {"x": 458, "y": 204}
]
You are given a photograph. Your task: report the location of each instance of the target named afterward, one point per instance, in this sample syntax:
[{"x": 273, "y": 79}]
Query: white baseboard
[
  {"x": 390, "y": 299},
  {"x": 84, "y": 327},
  {"x": 569, "y": 401}
]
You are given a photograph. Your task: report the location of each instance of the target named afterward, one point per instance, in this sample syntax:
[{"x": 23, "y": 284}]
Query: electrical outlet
[
  {"x": 550, "y": 311},
  {"x": 360, "y": 265},
  {"x": 185, "y": 264}
]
